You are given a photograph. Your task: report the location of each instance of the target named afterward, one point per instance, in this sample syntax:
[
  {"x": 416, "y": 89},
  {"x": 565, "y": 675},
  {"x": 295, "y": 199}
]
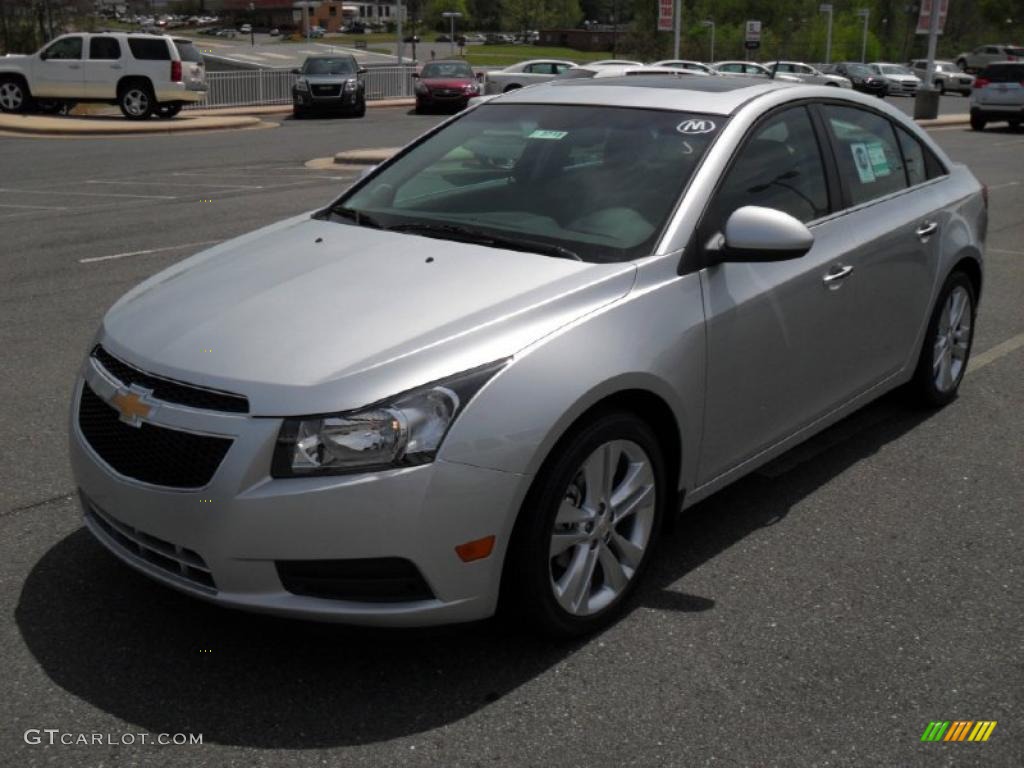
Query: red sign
[
  {"x": 666, "y": 15},
  {"x": 924, "y": 20}
]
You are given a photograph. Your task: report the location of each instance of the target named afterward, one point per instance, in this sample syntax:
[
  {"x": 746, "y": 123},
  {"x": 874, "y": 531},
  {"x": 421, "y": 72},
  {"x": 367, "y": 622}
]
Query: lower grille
[
  {"x": 370, "y": 580},
  {"x": 177, "y": 561},
  {"x": 149, "y": 453},
  {"x": 327, "y": 90}
]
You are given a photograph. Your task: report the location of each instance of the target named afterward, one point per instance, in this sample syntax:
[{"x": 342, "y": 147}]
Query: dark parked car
[
  {"x": 329, "y": 83},
  {"x": 861, "y": 75},
  {"x": 445, "y": 84}
]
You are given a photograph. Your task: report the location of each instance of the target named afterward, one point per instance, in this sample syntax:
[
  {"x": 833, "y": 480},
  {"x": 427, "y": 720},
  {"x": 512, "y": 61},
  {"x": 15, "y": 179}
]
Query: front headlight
[
  {"x": 351, "y": 85},
  {"x": 401, "y": 431},
  {"x": 301, "y": 85}
]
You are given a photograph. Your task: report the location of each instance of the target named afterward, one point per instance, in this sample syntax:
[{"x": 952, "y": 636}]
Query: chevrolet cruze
[{"x": 489, "y": 372}]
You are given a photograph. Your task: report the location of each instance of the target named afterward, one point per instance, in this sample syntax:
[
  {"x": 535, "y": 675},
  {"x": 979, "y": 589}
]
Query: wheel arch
[
  {"x": 970, "y": 264},
  {"x": 128, "y": 80},
  {"x": 511, "y": 87}
]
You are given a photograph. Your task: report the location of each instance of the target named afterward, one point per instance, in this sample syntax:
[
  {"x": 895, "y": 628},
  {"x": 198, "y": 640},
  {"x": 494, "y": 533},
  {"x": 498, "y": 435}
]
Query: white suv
[{"x": 142, "y": 74}]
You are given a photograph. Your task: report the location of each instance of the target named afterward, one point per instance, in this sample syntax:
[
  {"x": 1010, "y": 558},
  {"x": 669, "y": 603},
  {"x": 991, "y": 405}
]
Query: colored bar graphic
[{"x": 959, "y": 730}]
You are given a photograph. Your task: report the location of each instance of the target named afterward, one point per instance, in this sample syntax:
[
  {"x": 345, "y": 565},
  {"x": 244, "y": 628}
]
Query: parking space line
[
  {"x": 59, "y": 193},
  {"x": 1004, "y": 250},
  {"x": 172, "y": 184},
  {"x": 146, "y": 252},
  {"x": 37, "y": 207},
  {"x": 999, "y": 350},
  {"x": 1003, "y": 186}
]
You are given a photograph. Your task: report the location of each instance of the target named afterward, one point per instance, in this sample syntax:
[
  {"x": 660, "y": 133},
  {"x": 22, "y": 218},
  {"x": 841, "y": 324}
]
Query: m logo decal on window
[{"x": 691, "y": 127}]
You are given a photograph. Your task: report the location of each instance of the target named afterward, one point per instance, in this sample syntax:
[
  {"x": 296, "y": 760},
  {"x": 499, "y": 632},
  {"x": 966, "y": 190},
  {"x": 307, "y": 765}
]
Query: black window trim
[{"x": 693, "y": 257}]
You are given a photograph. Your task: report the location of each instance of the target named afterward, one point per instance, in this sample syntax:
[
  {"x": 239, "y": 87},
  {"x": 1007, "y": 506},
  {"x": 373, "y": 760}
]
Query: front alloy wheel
[
  {"x": 12, "y": 96},
  {"x": 587, "y": 528},
  {"x": 602, "y": 528}
]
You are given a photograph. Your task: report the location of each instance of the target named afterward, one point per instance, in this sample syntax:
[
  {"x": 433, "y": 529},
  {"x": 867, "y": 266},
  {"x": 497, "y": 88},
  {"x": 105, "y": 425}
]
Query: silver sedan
[{"x": 489, "y": 372}]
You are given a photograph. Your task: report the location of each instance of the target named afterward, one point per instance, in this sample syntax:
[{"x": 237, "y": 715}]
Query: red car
[{"x": 445, "y": 84}]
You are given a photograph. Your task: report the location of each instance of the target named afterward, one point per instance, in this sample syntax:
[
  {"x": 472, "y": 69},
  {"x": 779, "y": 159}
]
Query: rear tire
[
  {"x": 578, "y": 550},
  {"x": 978, "y": 122},
  {"x": 136, "y": 100},
  {"x": 1014, "y": 125},
  {"x": 962, "y": 63},
  {"x": 14, "y": 95},
  {"x": 360, "y": 110},
  {"x": 947, "y": 344}
]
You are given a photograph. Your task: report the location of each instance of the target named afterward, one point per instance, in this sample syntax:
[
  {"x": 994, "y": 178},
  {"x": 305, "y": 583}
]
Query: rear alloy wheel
[
  {"x": 947, "y": 343},
  {"x": 136, "y": 102},
  {"x": 13, "y": 97},
  {"x": 588, "y": 527}
]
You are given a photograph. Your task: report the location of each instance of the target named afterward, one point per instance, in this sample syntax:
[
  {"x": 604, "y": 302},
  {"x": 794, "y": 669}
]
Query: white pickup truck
[{"x": 143, "y": 74}]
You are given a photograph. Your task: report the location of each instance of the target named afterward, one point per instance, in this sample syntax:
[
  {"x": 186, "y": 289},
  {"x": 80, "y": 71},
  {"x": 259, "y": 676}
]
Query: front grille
[
  {"x": 149, "y": 453},
  {"x": 177, "y": 561},
  {"x": 370, "y": 580},
  {"x": 327, "y": 90},
  {"x": 169, "y": 390}
]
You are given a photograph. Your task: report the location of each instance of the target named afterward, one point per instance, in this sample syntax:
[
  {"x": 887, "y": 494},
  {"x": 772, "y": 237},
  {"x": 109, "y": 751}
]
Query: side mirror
[
  {"x": 415, "y": 75},
  {"x": 296, "y": 71},
  {"x": 753, "y": 233},
  {"x": 362, "y": 71},
  {"x": 479, "y": 75},
  {"x": 43, "y": 56}
]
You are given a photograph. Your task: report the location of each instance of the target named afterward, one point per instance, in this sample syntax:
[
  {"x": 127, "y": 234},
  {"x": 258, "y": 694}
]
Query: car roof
[{"x": 710, "y": 95}]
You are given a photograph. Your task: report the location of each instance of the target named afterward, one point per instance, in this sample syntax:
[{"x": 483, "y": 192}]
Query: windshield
[
  {"x": 894, "y": 69},
  {"x": 858, "y": 69},
  {"x": 599, "y": 182},
  {"x": 329, "y": 67},
  {"x": 439, "y": 69}
]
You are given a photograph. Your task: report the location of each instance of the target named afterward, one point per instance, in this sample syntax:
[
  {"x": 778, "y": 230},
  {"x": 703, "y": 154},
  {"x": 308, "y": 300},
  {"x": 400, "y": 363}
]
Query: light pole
[
  {"x": 678, "y": 13},
  {"x": 252, "y": 29},
  {"x": 710, "y": 23},
  {"x": 864, "y": 13},
  {"x": 453, "y": 15},
  {"x": 401, "y": 43},
  {"x": 827, "y": 8}
]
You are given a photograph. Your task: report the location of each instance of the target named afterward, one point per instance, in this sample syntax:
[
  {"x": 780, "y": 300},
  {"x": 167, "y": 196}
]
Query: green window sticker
[
  {"x": 862, "y": 161},
  {"x": 879, "y": 162},
  {"x": 550, "y": 135}
]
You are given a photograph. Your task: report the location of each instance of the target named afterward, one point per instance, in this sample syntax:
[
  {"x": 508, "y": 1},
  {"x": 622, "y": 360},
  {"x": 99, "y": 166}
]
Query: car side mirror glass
[
  {"x": 753, "y": 233},
  {"x": 43, "y": 55},
  {"x": 362, "y": 71},
  {"x": 415, "y": 75}
]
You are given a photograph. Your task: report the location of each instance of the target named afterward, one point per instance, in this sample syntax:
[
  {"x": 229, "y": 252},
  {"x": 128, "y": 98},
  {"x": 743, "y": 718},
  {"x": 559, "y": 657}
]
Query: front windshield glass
[
  {"x": 893, "y": 69},
  {"x": 599, "y": 182},
  {"x": 329, "y": 67},
  {"x": 439, "y": 69},
  {"x": 858, "y": 69}
]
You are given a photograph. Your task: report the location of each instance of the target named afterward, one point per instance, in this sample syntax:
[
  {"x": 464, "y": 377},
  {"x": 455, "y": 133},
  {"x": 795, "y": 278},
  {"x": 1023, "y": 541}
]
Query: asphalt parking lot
[{"x": 820, "y": 612}]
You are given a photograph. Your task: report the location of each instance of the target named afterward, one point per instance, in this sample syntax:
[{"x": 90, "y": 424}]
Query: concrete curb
[
  {"x": 38, "y": 125},
  {"x": 945, "y": 120},
  {"x": 365, "y": 156}
]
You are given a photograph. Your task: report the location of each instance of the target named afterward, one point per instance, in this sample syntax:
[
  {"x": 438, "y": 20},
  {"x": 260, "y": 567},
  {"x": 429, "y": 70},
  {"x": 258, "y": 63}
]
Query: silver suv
[
  {"x": 493, "y": 368},
  {"x": 998, "y": 95},
  {"x": 984, "y": 55},
  {"x": 142, "y": 74}
]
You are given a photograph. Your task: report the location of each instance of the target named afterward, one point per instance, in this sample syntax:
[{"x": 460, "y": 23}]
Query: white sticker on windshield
[
  {"x": 862, "y": 160},
  {"x": 694, "y": 126},
  {"x": 551, "y": 135}
]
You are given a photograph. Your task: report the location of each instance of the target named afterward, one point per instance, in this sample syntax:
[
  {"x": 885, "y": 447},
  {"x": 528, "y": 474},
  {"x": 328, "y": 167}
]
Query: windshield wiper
[
  {"x": 479, "y": 237},
  {"x": 358, "y": 218}
]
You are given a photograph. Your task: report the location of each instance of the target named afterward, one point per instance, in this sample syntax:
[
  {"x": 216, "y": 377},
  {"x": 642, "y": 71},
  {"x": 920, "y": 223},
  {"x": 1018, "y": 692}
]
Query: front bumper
[
  {"x": 224, "y": 542},
  {"x": 190, "y": 92},
  {"x": 444, "y": 100},
  {"x": 345, "y": 100}
]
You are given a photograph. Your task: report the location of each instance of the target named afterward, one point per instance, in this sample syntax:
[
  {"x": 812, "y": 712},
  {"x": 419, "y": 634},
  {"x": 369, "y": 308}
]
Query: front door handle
[
  {"x": 834, "y": 278},
  {"x": 116, "y": 66},
  {"x": 927, "y": 229}
]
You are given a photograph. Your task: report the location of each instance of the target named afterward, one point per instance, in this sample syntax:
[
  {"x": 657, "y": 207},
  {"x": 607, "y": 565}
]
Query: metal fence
[{"x": 264, "y": 87}]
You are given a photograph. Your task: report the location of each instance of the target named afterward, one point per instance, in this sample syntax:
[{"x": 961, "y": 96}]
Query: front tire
[
  {"x": 14, "y": 96},
  {"x": 136, "y": 101},
  {"x": 978, "y": 122},
  {"x": 587, "y": 528},
  {"x": 947, "y": 343}
]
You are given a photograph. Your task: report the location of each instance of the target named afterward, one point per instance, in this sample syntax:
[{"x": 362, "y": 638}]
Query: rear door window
[
  {"x": 104, "y": 48},
  {"x": 149, "y": 48},
  {"x": 869, "y": 158}
]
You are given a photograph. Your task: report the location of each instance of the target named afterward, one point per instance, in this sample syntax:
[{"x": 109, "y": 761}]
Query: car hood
[
  {"x": 903, "y": 78},
  {"x": 310, "y": 316},
  {"x": 447, "y": 82}
]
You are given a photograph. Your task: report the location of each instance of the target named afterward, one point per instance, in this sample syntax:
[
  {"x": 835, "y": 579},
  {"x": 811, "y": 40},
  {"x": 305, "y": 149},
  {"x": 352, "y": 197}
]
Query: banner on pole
[
  {"x": 666, "y": 15},
  {"x": 924, "y": 19}
]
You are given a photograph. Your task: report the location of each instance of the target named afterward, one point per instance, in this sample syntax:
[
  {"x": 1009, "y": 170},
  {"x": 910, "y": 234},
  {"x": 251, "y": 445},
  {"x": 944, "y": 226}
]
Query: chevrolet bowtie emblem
[{"x": 131, "y": 405}]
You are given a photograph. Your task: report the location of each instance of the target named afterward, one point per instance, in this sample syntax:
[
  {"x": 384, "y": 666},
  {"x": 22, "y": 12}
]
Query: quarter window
[
  {"x": 65, "y": 48},
  {"x": 869, "y": 159},
  {"x": 778, "y": 167},
  {"x": 105, "y": 48}
]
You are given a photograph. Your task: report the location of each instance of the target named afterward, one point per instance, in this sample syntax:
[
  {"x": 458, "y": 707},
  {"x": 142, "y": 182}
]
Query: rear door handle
[
  {"x": 74, "y": 66},
  {"x": 927, "y": 229},
  {"x": 834, "y": 278},
  {"x": 116, "y": 66}
]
